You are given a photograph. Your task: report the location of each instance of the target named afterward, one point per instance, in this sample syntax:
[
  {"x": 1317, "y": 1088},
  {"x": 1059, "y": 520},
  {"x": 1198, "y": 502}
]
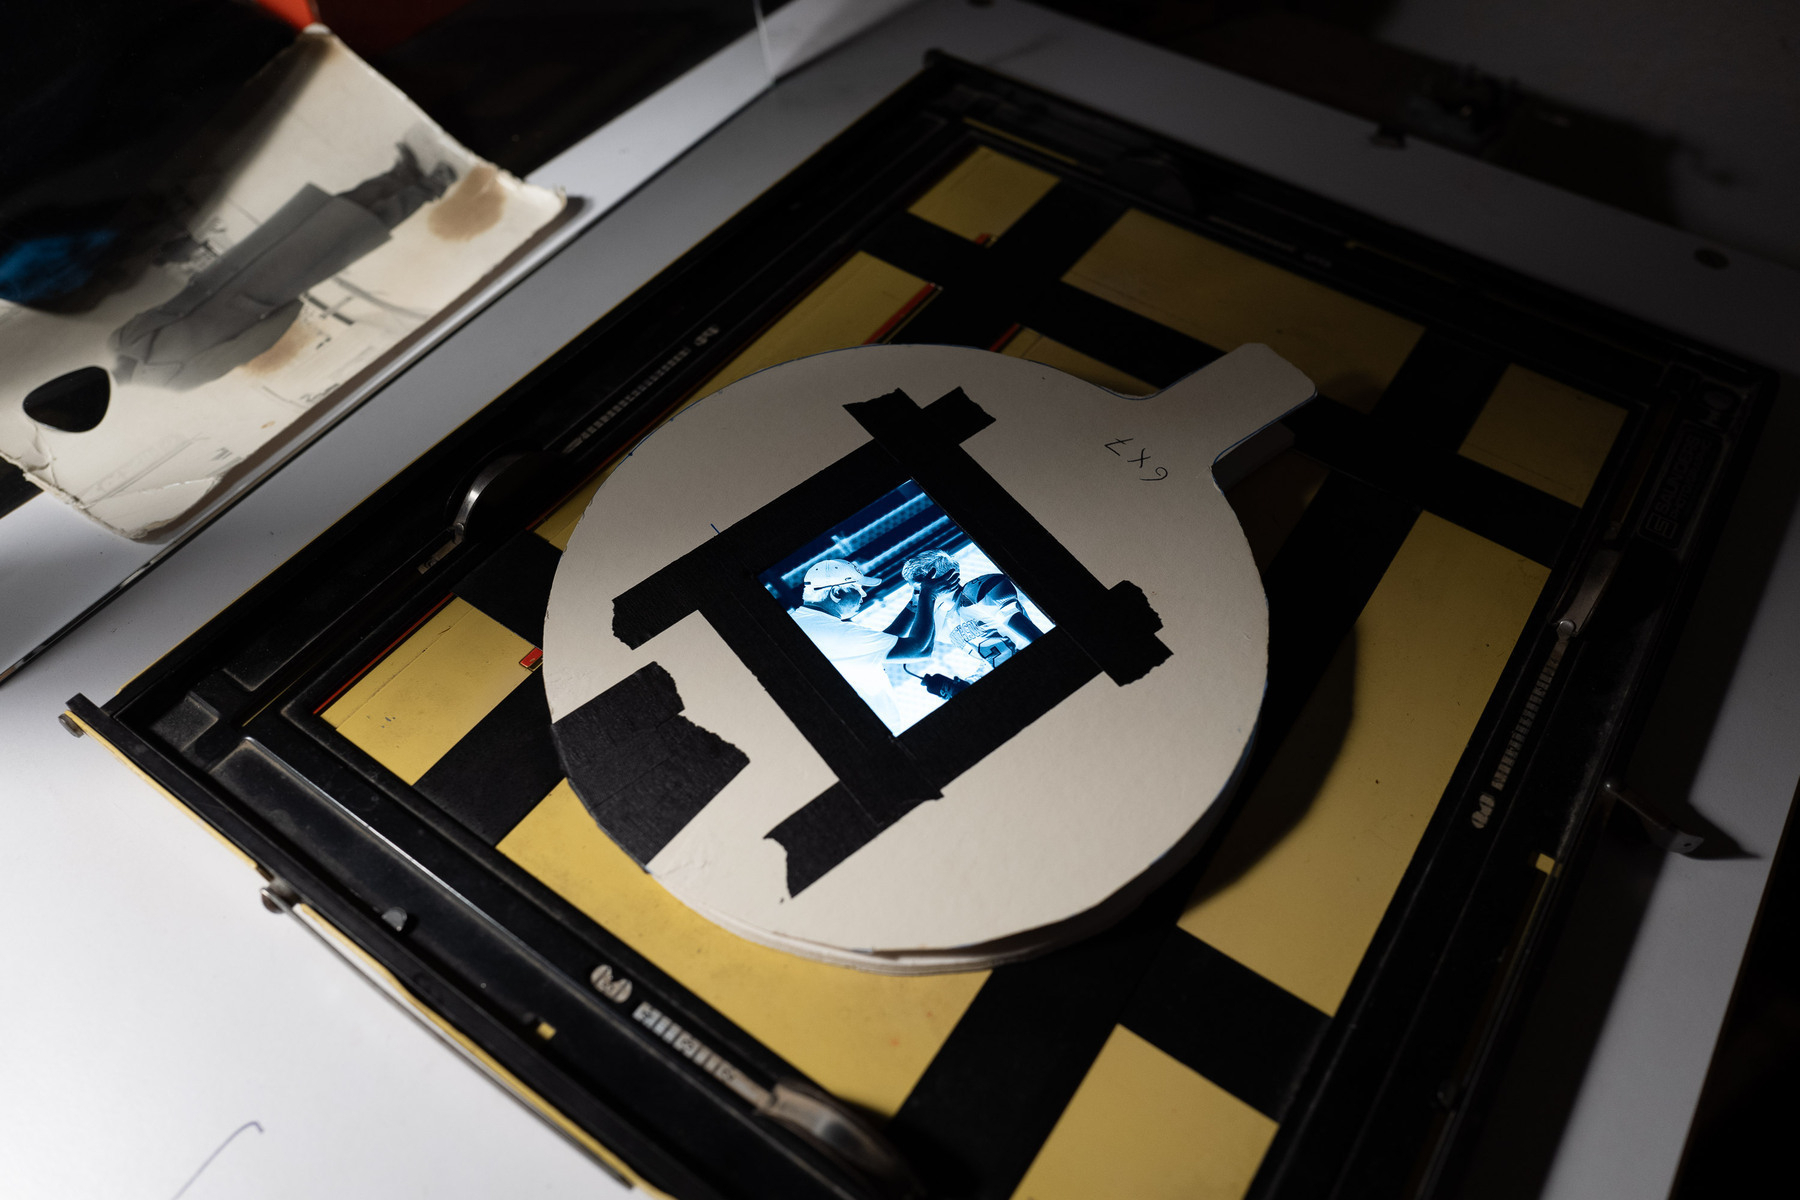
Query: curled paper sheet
[{"x": 334, "y": 223}]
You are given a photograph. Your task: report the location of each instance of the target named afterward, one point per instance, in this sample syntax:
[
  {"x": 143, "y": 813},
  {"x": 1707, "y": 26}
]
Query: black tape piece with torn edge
[{"x": 882, "y": 777}]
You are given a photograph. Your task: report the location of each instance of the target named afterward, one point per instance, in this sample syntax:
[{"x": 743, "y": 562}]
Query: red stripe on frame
[
  {"x": 906, "y": 310},
  {"x": 392, "y": 646}
]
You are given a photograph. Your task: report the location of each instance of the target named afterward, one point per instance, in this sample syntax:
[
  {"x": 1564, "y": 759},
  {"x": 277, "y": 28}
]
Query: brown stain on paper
[
  {"x": 473, "y": 206},
  {"x": 290, "y": 346}
]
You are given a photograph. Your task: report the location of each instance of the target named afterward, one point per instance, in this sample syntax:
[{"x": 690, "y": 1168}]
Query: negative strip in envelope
[{"x": 917, "y": 658}]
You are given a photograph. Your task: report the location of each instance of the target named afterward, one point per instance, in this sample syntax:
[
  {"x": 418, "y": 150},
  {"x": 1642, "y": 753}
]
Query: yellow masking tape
[
  {"x": 983, "y": 195},
  {"x": 1144, "y": 1127},
  {"x": 431, "y": 690},
  {"x": 1225, "y": 298},
  {"x": 1544, "y": 433},
  {"x": 847, "y": 308}
]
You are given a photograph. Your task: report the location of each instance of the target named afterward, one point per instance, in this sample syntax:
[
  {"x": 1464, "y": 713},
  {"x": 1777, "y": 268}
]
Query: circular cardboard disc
[{"x": 739, "y": 742}]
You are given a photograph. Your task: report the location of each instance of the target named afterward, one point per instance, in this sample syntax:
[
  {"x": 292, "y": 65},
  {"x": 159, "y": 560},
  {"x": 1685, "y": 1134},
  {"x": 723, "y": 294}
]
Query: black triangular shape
[{"x": 73, "y": 403}]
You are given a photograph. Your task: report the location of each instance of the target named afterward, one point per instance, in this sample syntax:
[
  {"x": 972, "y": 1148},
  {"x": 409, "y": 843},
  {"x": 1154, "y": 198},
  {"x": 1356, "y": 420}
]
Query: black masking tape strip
[
  {"x": 1498, "y": 507},
  {"x": 1317, "y": 585},
  {"x": 986, "y": 281},
  {"x": 1220, "y": 1018},
  {"x": 513, "y": 585},
  {"x": 1116, "y": 627},
  {"x": 1438, "y": 392},
  {"x": 1038, "y": 300},
  {"x": 1053, "y": 234},
  {"x": 821, "y": 834},
  {"x": 945, "y": 743},
  {"x": 957, "y": 318},
  {"x": 949, "y": 740},
  {"x": 1408, "y": 446},
  {"x": 1462, "y": 491},
  {"x": 718, "y": 580},
  {"x": 860, "y": 477},
  {"x": 852, "y": 740},
  {"x": 1113, "y": 630},
  {"x": 882, "y": 777},
  {"x": 997, "y": 1086},
  {"x": 499, "y": 770},
  {"x": 641, "y": 768}
]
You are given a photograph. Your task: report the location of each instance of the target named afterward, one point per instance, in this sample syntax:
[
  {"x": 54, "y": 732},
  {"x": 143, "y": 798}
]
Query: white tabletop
[{"x": 151, "y": 1007}]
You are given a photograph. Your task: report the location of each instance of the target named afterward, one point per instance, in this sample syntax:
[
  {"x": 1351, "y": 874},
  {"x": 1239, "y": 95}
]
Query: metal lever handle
[
  {"x": 833, "y": 1128},
  {"x": 1661, "y": 828}
]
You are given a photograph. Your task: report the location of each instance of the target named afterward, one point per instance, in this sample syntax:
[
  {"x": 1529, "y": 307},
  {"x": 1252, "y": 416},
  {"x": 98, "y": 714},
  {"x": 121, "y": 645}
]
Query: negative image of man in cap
[{"x": 831, "y": 592}]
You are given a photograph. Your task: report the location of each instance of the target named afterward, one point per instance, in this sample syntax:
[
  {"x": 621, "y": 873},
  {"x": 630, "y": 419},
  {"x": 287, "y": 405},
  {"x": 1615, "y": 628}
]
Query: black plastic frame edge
[
  {"x": 1566, "y": 821},
  {"x": 1578, "y": 837},
  {"x": 612, "y": 1129}
]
